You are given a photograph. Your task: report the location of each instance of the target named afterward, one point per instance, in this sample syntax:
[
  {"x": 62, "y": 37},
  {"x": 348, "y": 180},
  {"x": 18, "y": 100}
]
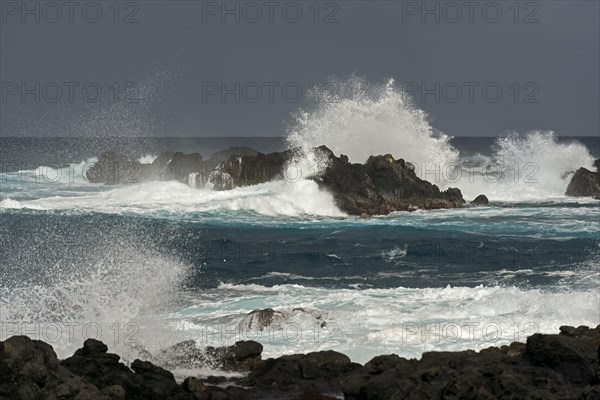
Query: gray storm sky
[{"x": 163, "y": 66}]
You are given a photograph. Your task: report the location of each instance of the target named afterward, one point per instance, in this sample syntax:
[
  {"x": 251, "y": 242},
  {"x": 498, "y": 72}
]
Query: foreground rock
[
  {"x": 585, "y": 183},
  {"x": 242, "y": 356},
  {"x": 563, "y": 366}
]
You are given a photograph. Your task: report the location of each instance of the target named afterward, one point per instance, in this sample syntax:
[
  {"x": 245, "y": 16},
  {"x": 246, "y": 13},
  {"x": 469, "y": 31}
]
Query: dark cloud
[{"x": 185, "y": 59}]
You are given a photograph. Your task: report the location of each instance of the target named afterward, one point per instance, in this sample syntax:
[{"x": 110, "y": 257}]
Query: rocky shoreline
[{"x": 559, "y": 366}]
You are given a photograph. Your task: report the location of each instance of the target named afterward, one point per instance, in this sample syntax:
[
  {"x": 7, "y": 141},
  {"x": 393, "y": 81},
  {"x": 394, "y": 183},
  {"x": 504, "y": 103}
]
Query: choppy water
[{"x": 150, "y": 264}]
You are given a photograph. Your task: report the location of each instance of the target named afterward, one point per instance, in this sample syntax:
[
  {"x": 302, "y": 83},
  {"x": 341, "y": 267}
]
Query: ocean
[{"x": 146, "y": 265}]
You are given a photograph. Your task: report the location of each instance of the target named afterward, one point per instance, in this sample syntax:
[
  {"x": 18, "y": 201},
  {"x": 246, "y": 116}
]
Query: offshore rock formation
[
  {"x": 480, "y": 200},
  {"x": 380, "y": 186},
  {"x": 224, "y": 155},
  {"x": 585, "y": 182},
  {"x": 113, "y": 168},
  {"x": 564, "y": 366}
]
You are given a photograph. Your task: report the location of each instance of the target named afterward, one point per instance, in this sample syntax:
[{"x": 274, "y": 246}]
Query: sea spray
[
  {"x": 360, "y": 119},
  {"x": 531, "y": 167},
  {"x": 113, "y": 291}
]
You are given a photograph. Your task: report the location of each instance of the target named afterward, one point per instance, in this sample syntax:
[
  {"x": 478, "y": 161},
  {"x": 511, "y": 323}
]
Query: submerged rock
[
  {"x": 260, "y": 319},
  {"x": 585, "y": 183}
]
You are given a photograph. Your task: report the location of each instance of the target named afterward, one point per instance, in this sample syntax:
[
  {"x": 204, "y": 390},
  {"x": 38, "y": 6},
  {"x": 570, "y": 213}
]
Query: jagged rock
[
  {"x": 313, "y": 371},
  {"x": 584, "y": 333},
  {"x": 575, "y": 359},
  {"x": 183, "y": 355},
  {"x": 217, "y": 180},
  {"x": 179, "y": 166},
  {"x": 260, "y": 319},
  {"x": 239, "y": 357},
  {"x": 549, "y": 367},
  {"x": 113, "y": 168},
  {"x": 224, "y": 155},
  {"x": 242, "y": 356},
  {"x": 381, "y": 185},
  {"x": 29, "y": 369},
  {"x": 248, "y": 170},
  {"x": 193, "y": 385},
  {"x": 103, "y": 370},
  {"x": 480, "y": 200},
  {"x": 585, "y": 182}
]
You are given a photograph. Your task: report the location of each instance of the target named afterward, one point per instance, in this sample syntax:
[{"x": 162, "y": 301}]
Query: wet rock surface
[
  {"x": 480, "y": 200},
  {"x": 377, "y": 187},
  {"x": 113, "y": 168},
  {"x": 585, "y": 183},
  {"x": 562, "y": 366}
]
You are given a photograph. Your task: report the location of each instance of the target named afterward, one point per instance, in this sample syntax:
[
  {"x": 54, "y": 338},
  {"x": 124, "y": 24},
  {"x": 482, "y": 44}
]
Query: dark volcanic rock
[
  {"x": 248, "y": 170},
  {"x": 575, "y": 359},
  {"x": 548, "y": 367},
  {"x": 242, "y": 356},
  {"x": 260, "y": 319},
  {"x": 585, "y": 183},
  {"x": 179, "y": 167},
  {"x": 382, "y": 185},
  {"x": 312, "y": 371},
  {"x": 224, "y": 155},
  {"x": 113, "y": 168},
  {"x": 103, "y": 370},
  {"x": 480, "y": 200},
  {"x": 29, "y": 369}
]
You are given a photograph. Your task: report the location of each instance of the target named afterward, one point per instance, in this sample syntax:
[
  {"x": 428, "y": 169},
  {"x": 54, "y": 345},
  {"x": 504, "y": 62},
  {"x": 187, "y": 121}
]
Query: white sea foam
[
  {"x": 525, "y": 168},
  {"x": 147, "y": 159},
  {"x": 278, "y": 198},
  {"x": 360, "y": 119},
  {"x": 405, "y": 321},
  {"x": 121, "y": 295}
]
